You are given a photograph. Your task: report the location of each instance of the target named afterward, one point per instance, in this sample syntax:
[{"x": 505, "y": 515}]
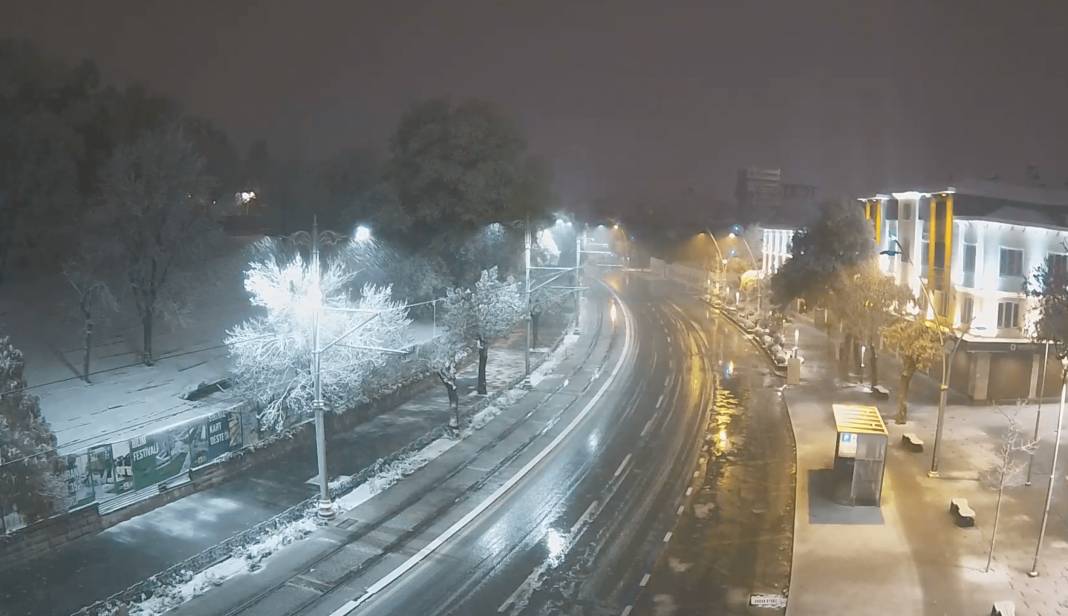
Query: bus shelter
[{"x": 859, "y": 454}]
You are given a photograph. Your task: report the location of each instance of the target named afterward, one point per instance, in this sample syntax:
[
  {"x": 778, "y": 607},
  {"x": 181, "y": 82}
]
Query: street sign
[{"x": 769, "y": 601}]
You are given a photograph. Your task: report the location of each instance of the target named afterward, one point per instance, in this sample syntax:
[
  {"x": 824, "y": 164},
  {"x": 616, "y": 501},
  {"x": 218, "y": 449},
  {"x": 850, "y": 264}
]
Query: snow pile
[
  {"x": 168, "y": 596},
  {"x": 553, "y": 361}
]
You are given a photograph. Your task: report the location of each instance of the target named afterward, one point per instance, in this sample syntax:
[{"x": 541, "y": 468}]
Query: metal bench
[
  {"x": 1003, "y": 608},
  {"x": 912, "y": 442},
  {"x": 963, "y": 515},
  {"x": 880, "y": 392}
]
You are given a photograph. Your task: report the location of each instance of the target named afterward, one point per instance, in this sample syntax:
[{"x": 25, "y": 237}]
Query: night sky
[{"x": 631, "y": 101}]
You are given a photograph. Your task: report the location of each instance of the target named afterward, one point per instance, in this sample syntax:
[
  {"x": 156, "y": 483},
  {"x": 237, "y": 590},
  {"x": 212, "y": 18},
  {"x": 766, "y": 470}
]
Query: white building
[
  {"x": 995, "y": 236},
  {"x": 775, "y": 248}
]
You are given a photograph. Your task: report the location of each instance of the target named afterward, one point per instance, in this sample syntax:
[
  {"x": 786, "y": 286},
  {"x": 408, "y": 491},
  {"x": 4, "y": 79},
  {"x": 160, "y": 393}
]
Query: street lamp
[{"x": 315, "y": 303}]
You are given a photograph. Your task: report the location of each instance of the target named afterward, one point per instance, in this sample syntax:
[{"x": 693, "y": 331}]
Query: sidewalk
[
  {"x": 908, "y": 557},
  {"x": 98, "y": 566}
]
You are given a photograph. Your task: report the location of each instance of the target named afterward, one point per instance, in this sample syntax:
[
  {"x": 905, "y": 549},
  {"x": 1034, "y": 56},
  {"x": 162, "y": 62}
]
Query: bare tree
[
  {"x": 1008, "y": 468},
  {"x": 93, "y": 296},
  {"x": 156, "y": 211}
]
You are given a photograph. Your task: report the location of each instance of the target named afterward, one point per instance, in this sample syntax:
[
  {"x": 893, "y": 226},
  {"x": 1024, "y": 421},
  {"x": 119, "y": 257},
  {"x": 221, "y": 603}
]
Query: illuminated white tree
[{"x": 273, "y": 352}]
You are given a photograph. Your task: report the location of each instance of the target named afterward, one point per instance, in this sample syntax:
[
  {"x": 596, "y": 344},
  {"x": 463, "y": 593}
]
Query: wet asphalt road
[
  {"x": 584, "y": 533},
  {"x": 570, "y": 509}
]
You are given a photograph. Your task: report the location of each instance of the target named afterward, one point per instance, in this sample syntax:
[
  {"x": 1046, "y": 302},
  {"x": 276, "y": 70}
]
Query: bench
[
  {"x": 880, "y": 392},
  {"x": 1003, "y": 608},
  {"x": 963, "y": 515},
  {"x": 912, "y": 442}
]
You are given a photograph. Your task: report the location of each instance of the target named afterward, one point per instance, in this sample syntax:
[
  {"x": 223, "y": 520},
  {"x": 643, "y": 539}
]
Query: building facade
[
  {"x": 775, "y": 248},
  {"x": 972, "y": 249}
]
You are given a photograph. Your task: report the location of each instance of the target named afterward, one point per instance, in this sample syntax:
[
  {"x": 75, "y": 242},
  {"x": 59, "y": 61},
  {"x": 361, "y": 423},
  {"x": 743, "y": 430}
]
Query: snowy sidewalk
[
  {"x": 908, "y": 557},
  {"x": 98, "y": 566}
]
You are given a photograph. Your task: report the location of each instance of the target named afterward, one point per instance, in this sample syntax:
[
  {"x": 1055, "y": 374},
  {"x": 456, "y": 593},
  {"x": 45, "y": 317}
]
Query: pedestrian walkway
[
  {"x": 95, "y": 567},
  {"x": 908, "y": 556}
]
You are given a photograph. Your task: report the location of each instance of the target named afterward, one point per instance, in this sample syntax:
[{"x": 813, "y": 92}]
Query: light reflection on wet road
[{"x": 581, "y": 534}]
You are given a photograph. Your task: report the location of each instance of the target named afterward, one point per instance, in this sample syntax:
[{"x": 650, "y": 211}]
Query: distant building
[
  {"x": 759, "y": 193},
  {"x": 973, "y": 246},
  {"x": 775, "y": 245},
  {"x": 763, "y": 197}
]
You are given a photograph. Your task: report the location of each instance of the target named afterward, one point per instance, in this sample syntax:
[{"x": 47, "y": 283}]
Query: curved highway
[{"x": 566, "y": 511}]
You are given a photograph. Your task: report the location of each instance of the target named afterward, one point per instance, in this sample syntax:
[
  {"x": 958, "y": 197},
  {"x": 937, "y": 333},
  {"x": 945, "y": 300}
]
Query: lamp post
[
  {"x": 1038, "y": 414},
  {"x": 1053, "y": 469},
  {"x": 326, "y": 509}
]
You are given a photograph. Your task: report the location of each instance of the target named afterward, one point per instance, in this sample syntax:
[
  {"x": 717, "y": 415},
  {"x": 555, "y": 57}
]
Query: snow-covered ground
[
  {"x": 127, "y": 399},
  {"x": 252, "y": 557}
]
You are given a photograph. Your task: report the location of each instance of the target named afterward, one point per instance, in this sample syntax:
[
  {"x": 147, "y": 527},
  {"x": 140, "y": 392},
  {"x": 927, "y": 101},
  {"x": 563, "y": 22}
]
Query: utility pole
[
  {"x": 326, "y": 505},
  {"x": 1038, "y": 414},
  {"x": 1053, "y": 470},
  {"x": 578, "y": 276},
  {"x": 526, "y": 277}
]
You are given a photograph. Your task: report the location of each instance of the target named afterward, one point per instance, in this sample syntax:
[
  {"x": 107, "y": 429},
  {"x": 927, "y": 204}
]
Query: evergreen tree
[{"x": 29, "y": 480}]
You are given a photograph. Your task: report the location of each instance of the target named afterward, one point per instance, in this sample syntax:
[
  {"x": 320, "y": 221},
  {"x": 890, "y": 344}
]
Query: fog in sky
[{"x": 631, "y": 101}]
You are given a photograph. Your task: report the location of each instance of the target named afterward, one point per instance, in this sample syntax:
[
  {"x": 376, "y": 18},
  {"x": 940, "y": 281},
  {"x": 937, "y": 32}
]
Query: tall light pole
[
  {"x": 526, "y": 279},
  {"x": 326, "y": 504},
  {"x": 1053, "y": 469},
  {"x": 719, "y": 253},
  {"x": 1038, "y": 414},
  {"x": 578, "y": 274}
]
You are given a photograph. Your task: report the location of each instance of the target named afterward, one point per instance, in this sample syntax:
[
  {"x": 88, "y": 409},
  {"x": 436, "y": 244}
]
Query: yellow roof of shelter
[{"x": 858, "y": 419}]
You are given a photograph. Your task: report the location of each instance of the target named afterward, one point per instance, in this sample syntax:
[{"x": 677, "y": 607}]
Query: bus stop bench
[
  {"x": 912, "y": 442},
  {"x": 963, "y": 515},
  {"x": 1003, "y": 608},
  {"x": 880, "y": 392}
]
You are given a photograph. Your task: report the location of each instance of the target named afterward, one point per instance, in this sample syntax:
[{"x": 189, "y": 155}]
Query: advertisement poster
[{"x": 160, "y": 456}]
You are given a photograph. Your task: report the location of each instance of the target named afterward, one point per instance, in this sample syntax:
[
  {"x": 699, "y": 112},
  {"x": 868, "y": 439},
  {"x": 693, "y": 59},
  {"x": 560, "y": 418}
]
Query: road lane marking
[
  {"x": 645, "y": 580},
  {"x": 660, "y": 401},
  {"x": 689, "y": 490},
  {"x": 621, "y": 466},
  {"x": 582, "y": 518},
  {"x": 460, "y": 524},
  {"x": 667, "y": 382},
  {"x": 680, "y": 510},
  {"x": 626, "y": 610},
  {"x": 648, "y": 425},
  {"x": 667, "y": 537}
]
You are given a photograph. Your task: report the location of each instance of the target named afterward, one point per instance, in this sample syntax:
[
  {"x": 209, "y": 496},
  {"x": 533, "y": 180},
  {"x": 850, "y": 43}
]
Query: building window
[
  {"x": 1058, "y": 265},
  {"x": 967, "y": 310},
  {"x": 969, "y": 258},
  {"x": 1011, "y": 262},
  {"x": 1008, "y": 315}
]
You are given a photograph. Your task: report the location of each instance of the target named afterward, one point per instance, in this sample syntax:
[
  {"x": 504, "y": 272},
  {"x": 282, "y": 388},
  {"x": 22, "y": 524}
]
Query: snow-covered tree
[
  {"x": 273, "y": 352},
  {"x": 470, "y": 318},
  {"x": 917, "y": 344},
  {"x": 29, "y": 480},
  {"x": 496, "y": 306},
  {"x": 155, "y": 194}
]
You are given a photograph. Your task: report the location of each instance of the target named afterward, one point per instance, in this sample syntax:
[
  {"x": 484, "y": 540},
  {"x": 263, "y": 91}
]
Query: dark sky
[{"x": 652, "y": 101}]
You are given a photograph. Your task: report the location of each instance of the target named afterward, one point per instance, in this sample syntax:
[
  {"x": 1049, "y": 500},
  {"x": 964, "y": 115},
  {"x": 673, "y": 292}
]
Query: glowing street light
[{"x": 362, "y": 234}]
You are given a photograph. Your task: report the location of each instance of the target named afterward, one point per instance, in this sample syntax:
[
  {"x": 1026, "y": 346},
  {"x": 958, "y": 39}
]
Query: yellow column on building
[
  {"x": 867, "y": 209},
  {"x": 947, "y": 252},
  {"x": 932, "y": 242}
]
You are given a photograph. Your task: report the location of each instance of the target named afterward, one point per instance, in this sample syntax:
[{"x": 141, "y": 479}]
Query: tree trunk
[
  {"x": 483, "y": 357},
  {"x": 534, "y": 318},
  {"x": 872, "y": 345},
  {"x": 146, "y": 323},
  {"x": 903, "y": 397},
  {"x": 88, "y": 348},
  {"x": 449, "y": 381}
]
